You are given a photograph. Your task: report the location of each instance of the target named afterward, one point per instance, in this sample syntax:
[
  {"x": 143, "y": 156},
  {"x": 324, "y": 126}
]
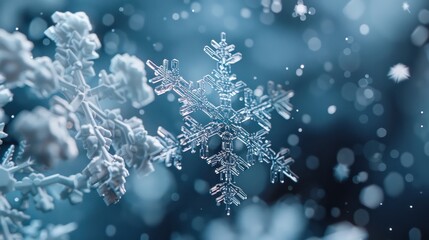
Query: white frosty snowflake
[
  {"x": 301, "y": 10},
  {"x": 406, "y": 7},
  {"x": 399, "y": 73}
]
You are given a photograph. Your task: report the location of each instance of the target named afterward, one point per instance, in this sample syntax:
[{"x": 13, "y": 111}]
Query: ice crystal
[
  {"x": 46, "y": 136},
  {"x": 226, "y": 121},
  {"x": 399, "y": 73}
]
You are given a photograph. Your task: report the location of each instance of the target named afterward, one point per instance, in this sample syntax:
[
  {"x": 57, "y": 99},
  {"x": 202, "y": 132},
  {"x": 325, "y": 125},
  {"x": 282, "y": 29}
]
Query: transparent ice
[{"x": 226, "y": 122}]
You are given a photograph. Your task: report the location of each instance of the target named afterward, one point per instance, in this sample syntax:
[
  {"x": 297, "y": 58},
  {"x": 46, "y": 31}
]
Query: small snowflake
[
  {"x": 301, "y": 10},
  {"x": 341, "y": 172},
  {"x": 406, "y": 7},
  {"x": 399, "y": 73}
]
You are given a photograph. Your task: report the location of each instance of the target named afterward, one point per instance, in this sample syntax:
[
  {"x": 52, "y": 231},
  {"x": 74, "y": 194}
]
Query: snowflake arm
[
  {"x": 195, "y": 134},
  {"x": 171, "y": 149},
  {"x": 229, "y": 194},
  {"x": 191, "y": 98}
]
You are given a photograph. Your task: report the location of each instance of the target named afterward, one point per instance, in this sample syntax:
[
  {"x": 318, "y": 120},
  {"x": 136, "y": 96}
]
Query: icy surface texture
[
  {"x": 226, "y": 121},
  {"x": 46, "y": 136},
  {"x": 113, "y": 144}
]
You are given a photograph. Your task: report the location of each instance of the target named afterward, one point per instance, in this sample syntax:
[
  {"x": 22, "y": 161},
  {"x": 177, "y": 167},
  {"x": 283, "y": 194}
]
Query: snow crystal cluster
[{"x": 114, "y": 144}]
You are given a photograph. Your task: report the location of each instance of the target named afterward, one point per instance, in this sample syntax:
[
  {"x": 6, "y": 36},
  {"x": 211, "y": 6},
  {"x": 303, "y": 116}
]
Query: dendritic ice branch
[
  {"x": 113, "y": 144},
  {"x": 79, "y": 109},
  {"x": 33, "y": 186},
  {"x": 226, "y": 122}
]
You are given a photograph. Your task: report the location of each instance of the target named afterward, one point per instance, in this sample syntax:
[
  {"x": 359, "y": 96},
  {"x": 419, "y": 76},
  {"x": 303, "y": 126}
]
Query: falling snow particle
[
  {"x": 301, "y": 10},
  {"x": 371, "y": 196},
  {"x": 364, "y": 29},
  {"x": 332, "y": 109},
  {"x": 406, "y": 7},
  {"x": 399, "y": 73}
]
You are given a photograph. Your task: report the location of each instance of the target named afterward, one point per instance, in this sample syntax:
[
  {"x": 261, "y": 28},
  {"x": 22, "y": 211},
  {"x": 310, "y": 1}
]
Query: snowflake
[
  {"x": 406, "y": 7},
  {"x": 341, "y": 172},
  {"x": 301, "y": 10},
  {"x": 399, "y": 73},
  {"x": 225, "y": 121}
]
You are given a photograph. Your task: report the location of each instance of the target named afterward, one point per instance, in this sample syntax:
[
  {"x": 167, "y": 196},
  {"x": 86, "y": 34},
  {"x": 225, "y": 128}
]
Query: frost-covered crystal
[
  {"x": 113, "y": 144},
  {"x": 46, "y": 136},
  {"x": 226, "y": 121},
  {"x": 128, "y": 80}
]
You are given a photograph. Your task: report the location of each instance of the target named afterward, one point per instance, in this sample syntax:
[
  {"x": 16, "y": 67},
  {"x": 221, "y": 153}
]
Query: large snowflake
[{"x": 226, "y": 121}]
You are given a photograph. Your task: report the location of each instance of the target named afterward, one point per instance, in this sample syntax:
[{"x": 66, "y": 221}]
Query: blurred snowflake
[
  {"x": 257, "y": 220},
  {"x": 341, "y": 172},
  {"x": 399, "y": 73},
  {"x": 406, "y": 7},
  {"x": 227, "y": 122},
  {"x": 301, "y": 10},
  {"x": 274, "y": 6}
]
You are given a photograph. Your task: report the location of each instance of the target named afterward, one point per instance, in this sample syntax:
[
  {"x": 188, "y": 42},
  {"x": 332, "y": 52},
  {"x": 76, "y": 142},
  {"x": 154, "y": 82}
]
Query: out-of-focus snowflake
[
  {"x": 399, "y": 73},
  {"x": 274, "y": 6},
  {"x": 46, "y": 136},
  {"x": 406, "y": 7},
  {"x": 341, "y": 172},
  {"x": 301, "y": 10},
  {"x": 286, "y": 219},
  {"x": 259, "y": 221},
  {"x": 345, "y": 231},
  {"x": 51, "y": 232},
  {"x": 15, "y": 59},
  {"x": 363, "y": 95},
  {"x": 129, "y": 80},
  {"x": 226, "y": 121}
]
